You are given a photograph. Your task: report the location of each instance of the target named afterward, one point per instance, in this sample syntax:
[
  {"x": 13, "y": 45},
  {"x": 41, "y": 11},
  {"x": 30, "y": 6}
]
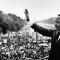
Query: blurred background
[{"x": 38, "y": 9}]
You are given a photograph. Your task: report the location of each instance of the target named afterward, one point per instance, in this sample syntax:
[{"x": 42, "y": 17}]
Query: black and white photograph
[{"x": 29, "y": 29}]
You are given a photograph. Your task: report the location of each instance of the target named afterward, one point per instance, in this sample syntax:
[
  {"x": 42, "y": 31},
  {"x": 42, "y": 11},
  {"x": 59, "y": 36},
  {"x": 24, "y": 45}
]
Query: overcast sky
[{"x": 38, "y": 9}]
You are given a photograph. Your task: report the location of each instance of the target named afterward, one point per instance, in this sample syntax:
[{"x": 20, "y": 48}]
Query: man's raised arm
[{"x": 43, "y": 31}]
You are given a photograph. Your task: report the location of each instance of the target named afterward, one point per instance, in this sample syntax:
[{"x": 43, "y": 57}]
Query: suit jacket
[{"x": 55, "y": 46}]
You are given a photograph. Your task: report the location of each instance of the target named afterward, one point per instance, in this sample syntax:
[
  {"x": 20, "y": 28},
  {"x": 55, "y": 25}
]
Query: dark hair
[{"x": 58, "y": 14}]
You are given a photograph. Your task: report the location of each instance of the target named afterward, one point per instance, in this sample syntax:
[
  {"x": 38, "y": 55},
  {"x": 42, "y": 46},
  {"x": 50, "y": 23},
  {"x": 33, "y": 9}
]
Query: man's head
[{"x": 57, "y": 25}]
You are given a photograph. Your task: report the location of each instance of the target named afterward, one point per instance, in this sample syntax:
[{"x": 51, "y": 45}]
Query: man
[{"x": 54, "y": 34}]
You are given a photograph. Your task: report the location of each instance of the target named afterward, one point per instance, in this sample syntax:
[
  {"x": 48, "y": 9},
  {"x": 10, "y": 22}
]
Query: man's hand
[{"x": 30, "y": 23}]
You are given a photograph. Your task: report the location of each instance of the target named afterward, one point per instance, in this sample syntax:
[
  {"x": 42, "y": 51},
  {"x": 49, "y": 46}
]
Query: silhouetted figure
[{"x": 54, "y": 34}]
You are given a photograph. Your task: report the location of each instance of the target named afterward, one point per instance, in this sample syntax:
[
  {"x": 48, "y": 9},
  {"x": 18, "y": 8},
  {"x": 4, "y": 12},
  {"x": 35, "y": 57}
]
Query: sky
[{"x": 38, "y": 9}]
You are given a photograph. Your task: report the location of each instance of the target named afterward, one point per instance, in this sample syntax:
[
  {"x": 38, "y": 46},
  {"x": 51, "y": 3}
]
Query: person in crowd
[{"x": 54, "y": 53}]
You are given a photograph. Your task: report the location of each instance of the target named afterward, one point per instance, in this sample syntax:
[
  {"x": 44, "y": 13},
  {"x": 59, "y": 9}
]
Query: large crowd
[{"x": 23, "y": 46}]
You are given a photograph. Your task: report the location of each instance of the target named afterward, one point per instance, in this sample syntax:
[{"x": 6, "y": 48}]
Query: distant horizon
[{"x": 38, "y": 9}]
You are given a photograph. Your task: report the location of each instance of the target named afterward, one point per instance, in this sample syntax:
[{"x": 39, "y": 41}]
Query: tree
[{"x": 27, "y": 15}]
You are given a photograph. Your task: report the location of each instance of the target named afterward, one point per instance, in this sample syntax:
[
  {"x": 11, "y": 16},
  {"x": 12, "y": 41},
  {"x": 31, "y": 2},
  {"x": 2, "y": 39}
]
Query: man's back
[
  {"x": 55, "y": 44},
  {"x": 55, "y": 52}
]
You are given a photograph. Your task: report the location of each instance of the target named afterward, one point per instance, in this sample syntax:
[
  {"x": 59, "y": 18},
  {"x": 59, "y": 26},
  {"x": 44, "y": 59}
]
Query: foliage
[{"x": 11, "y": 21}]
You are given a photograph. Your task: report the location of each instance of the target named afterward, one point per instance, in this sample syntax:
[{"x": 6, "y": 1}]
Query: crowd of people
[{"x": 21, "y": 45}]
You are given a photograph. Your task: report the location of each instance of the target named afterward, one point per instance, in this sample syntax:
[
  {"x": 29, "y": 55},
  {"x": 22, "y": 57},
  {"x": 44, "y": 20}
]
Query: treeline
[{"x": 11, "y": 22}]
